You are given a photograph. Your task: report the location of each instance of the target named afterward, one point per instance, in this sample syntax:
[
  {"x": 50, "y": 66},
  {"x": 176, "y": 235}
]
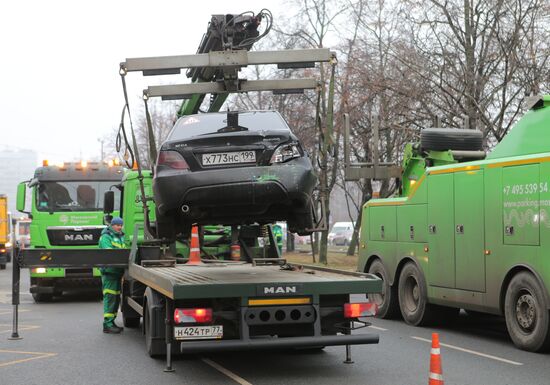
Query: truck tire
[
  {"x": 413, "y": 296},
  {"x": 443, "y": 139},
  {"x": 3, "y": 266},
  {"x": 130, "y": 322},
  {"x": 388, "y": 304},
  {"x": 526, "y": 313}
]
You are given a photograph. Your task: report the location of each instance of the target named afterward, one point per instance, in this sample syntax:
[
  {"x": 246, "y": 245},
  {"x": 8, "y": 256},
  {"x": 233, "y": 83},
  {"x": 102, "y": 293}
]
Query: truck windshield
[
  {"x": 73, "y": 196},
  {"x": 24, "y": 228},
  {"x": 202, "y": 124}
]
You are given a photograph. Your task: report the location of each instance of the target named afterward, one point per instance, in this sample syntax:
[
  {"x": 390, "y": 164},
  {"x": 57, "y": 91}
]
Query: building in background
[{"x": 16, "y": 165}]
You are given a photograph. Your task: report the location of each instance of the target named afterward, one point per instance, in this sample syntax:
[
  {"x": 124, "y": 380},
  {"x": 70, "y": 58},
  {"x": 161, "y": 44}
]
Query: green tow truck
[
  {"x": 67, "y": 213},
  {"x": 259, "y": 301},
  {"x": 468, "y": 231}
]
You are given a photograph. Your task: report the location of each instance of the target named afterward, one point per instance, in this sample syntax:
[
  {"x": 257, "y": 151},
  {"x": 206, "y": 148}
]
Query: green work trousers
[{"x": 111, "y": 297}]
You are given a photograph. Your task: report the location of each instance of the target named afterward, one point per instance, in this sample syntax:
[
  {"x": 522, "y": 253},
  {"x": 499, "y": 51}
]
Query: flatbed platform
[{"x": 246, "y": 280}]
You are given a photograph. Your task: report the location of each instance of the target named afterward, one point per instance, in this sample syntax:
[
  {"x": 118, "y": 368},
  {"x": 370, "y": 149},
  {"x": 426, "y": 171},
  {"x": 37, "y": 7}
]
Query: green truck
[
  {"x": 67, "y": 212},
  {"x": 467, "y": 230}
]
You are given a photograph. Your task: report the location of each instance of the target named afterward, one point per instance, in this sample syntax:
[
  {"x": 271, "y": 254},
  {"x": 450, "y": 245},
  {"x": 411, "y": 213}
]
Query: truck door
[
  {"x": 469, "y": 230},
  {"x": 520, "y": 198},
  {"x": 441, "y": 266}
]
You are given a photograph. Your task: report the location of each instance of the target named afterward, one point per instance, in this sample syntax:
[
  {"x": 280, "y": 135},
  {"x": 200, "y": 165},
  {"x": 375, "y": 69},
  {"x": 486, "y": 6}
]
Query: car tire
[
  {"x": 413, "y": 296},
  {"x": 388, "y": 304},
  {"x": 526, "y": 314},
  {"x": 165, "y": 224},
  {"x": 301, "y": 222},
  {"x": 443, "y": 139}
]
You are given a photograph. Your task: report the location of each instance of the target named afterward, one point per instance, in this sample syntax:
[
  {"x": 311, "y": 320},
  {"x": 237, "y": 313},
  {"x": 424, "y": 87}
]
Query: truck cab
[{"x": 66, "y": 209}]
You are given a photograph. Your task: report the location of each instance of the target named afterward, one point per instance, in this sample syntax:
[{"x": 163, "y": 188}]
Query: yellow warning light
[
  {"x": 412, "y": 182},
  {"x": 83, "y": 164},
  {"x": 60, "y": 164},
  {"x": 45, "y": 163},
  {"x": 110, "y": 163},
  {"x": 117, "y": 162}
]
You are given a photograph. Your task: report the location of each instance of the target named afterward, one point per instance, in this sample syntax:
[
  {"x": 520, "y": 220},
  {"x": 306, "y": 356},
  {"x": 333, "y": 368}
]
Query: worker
[
  {"x": 278, "y": 233},
  {"x": 112, "y": 237}
]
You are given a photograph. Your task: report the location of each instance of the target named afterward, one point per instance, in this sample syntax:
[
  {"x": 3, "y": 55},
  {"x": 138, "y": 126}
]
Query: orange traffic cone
[
  {"x": 194, "y": 249},
  {"x": 436, "y": 374}
]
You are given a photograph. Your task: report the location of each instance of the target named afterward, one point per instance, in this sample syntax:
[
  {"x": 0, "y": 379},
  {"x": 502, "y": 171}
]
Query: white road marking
[
  {"x": 227, "y": 372},
  {"x": 378, "y": 328},
  {"x": 471, "y": 352}
]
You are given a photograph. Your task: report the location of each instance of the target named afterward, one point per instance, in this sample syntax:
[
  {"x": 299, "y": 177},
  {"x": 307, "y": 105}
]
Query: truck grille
[{"x": 74, "y": 236}]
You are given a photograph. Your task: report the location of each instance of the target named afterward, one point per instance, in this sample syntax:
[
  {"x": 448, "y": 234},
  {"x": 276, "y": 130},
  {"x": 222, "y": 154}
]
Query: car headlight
[
  {"x": 285, "y": 152},
  {"x": 8, "y": 245}
]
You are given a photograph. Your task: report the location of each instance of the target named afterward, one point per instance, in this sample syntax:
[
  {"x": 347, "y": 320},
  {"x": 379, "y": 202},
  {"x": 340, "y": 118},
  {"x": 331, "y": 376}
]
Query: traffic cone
[
  {"x": 194, "y": 249},
  {"x": 436, "y": 374}
]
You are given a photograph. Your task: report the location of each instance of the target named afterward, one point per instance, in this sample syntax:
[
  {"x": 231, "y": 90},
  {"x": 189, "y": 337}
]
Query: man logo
[
  {"x": 280, "y": 290},
  {"x": 79, "y": 237}
]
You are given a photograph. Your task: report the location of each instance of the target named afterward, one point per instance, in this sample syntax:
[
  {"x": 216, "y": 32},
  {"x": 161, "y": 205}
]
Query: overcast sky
[{"x": 60, "y": 88}]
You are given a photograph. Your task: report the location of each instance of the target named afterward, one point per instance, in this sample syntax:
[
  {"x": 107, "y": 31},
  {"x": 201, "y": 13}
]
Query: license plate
[
  {"x": 198, "y": 332},
  {"x": 228, "y": 158}
]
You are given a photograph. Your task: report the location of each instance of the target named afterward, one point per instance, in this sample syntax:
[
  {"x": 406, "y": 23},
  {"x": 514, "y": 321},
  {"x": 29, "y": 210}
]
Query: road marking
[
  {"x": 37, "y": 355},
  {"x": 471, "y": 352},
  {"x": 11, "y": 311},
  {"x": 21, "y": 327},
  {"x": 225, "y": 371},
  {"x": 378, "y": 328}
]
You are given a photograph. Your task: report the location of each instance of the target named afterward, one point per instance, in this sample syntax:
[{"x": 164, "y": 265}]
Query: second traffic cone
[
  {"x": 194, "y": 248},
  {"x": 436, "y": 373}
]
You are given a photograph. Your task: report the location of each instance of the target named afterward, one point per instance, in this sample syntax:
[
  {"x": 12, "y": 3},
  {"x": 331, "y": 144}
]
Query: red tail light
[
  {"x": 172, "y": 159},
  {"x": 197, "y": 315},
  {"x": 355, "y": 310}
]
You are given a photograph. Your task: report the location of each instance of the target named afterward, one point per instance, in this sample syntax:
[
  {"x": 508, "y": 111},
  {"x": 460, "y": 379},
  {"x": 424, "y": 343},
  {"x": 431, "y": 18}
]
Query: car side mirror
[{"x": 109, "y": 202}]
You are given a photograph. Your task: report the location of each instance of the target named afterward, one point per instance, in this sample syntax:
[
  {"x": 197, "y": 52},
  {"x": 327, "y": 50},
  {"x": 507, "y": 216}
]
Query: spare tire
[{"x": 443, "y": 139}]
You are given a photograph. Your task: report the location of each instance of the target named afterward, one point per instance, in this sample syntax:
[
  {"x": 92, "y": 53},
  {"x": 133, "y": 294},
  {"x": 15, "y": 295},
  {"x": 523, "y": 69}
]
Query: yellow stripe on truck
[{"x": 279, "y": 301}]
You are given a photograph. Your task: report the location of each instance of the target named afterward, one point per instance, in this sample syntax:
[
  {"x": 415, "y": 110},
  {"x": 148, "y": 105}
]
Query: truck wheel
[
  {"x": 3, "y": 266},
  {"x": 443, "y": 139},
  {"x": 388, "y": 305},
  {"x": 413, "y": 296},
  {"x": 130, "y": 322},
  {"x": 527, "y": 317}
]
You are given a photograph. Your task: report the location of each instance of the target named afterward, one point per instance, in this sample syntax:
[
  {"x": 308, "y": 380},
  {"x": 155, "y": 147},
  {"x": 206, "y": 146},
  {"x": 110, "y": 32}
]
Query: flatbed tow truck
[{"x": 218, "y": 305}]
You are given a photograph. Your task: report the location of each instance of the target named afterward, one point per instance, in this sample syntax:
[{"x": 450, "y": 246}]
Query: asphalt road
[{"x": 63, "y": 343}]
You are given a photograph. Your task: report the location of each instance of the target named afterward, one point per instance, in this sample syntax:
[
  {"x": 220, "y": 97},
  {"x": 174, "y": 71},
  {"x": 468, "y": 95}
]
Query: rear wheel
[
  {"x": 413, "y": 296},
  {"x": 527, "y": 317},
  {"x": 130, "y": 322},
  {"x": 388, "y": 304},
  {"x": 3, "y": 266}
]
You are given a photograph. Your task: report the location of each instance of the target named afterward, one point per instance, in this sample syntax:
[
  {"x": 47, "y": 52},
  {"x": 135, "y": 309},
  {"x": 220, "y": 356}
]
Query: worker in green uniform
[
  {"x": 112, "y": 237},
  {"x": 278, "y": 233}
]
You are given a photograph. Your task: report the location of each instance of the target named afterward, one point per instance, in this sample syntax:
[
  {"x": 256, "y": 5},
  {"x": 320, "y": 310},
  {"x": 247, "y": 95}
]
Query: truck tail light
[
  {"x": 172, "y": 159},
  {"x": 355, "y": 310},
  {"x": 196, "y": 315}
]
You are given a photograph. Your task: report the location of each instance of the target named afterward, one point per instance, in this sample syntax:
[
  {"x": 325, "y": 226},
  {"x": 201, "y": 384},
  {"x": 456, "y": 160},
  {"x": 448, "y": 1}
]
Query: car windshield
[
  {"x": 202, "y": 124},
  {"x": 73, "y": 196}
]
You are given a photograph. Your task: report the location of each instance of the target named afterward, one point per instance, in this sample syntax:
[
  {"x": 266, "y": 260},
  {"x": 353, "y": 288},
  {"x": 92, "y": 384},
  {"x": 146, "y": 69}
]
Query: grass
[{"x": 335, "y": 260}]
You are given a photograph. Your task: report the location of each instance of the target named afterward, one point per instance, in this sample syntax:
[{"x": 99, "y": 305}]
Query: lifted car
[{"x": 232, "y": 168}]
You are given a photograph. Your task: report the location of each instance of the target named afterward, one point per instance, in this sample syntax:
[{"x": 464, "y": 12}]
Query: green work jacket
[{"x": 110, "y": 239}]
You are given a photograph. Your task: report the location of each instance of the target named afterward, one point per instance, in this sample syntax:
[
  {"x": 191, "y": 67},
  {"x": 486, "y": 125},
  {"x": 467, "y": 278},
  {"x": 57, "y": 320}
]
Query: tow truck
[
  {"x": 467, "y": 230},
  {"x": 257, "y": 302}
]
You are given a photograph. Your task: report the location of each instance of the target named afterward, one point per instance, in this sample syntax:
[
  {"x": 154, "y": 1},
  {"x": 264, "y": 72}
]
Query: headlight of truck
[
  {"x": 285, "y": 152},
  {"x": 8, "y": 245}
]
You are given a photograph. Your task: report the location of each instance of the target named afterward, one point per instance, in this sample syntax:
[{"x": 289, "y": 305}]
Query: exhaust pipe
[{"x": 185, "y": 209}]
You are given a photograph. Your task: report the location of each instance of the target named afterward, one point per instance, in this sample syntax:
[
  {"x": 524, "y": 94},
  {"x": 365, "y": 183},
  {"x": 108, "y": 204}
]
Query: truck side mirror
[
  {"x": 21, "y": 193},
  {"x": 109, "y": 202}
]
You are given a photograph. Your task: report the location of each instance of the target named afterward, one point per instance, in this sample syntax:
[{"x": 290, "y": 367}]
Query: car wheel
[
  {"x": 388, "y": 305},
  {"x": 165, "y": 226},
  {"x": 527, "y": 317},
  {"x": 413, "y": 296}
]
